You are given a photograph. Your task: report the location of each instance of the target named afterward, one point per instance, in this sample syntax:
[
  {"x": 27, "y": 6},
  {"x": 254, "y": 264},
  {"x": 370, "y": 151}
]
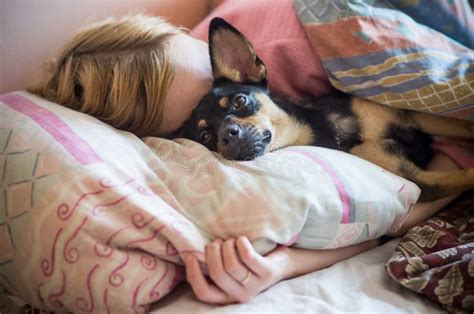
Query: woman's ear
[{"x": 232, "y": 56}]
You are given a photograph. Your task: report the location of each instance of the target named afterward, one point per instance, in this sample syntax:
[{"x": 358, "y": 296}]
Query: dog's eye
[
  {"x": 239, "y": 101},
  {"x": 205, "y": 137}
]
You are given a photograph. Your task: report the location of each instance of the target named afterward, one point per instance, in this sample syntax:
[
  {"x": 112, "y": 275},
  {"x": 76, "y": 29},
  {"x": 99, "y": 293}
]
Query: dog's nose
[
  {"x": 231, "y": 134},
  {"x": 233, "y": 130},
  {"x": 230, "y": 137}
]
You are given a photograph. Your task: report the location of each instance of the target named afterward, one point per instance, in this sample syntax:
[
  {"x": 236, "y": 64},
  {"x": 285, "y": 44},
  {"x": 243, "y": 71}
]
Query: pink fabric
[
  {"x": 60, "y": 131},
  {"x": 280, "y": 41},
  {"x": 338, "y": 183},
  {"x": 462, "y": 152}
]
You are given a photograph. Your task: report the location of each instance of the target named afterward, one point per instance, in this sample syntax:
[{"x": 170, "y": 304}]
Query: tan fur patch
[
  {"x": 202, "y": 124},
  {"x": 286, "y": 131},
  {"x": 373, "y": 118},
  {"x": 224, "y": 70},
  {"x": 442, "y": 125},
  {"x": 261, "y": 73},
  {"x": 372, "y": 151},
  {"x": 223, "y": 102}
]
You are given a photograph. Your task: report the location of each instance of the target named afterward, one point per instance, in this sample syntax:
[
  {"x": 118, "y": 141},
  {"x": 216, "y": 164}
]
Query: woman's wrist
[
  {"x": 282, "y": 256},
  {"x": 295, "y": 262}
]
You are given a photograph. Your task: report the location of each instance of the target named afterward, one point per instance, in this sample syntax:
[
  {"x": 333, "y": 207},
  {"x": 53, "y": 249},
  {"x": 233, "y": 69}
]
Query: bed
[
  {"x": 108, "y": 215},
  {"x": 357, "y": 285}
]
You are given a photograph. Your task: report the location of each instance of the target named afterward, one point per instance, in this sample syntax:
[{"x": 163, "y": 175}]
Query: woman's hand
[{"x": 237, "y": 271}]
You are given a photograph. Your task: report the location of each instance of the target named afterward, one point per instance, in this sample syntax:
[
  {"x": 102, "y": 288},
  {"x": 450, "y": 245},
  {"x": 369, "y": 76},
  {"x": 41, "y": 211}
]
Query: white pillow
[{"x": 95, "y": 219}]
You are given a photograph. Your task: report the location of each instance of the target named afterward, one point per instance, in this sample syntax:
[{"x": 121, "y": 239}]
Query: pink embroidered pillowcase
[{"x": 95, "y": 219}]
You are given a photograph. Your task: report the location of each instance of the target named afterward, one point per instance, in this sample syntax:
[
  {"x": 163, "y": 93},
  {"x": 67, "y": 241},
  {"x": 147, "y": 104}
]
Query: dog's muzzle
[{"x": 241, "y": 142}]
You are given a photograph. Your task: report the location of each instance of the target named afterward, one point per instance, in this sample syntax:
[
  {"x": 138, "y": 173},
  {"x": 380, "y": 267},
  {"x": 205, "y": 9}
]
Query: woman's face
[{"x": 193, "y": 79}]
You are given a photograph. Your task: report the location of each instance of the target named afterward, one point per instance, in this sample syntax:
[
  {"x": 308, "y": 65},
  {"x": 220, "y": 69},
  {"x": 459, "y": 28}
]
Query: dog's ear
[{"x": 232, "y": 56}]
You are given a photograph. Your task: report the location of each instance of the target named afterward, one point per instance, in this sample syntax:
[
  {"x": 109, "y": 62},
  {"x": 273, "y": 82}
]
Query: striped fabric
[{"x": 374, "y": 50}]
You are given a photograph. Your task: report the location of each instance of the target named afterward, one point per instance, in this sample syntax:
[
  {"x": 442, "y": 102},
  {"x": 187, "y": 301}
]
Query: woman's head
[
  {"x": 192, "y": 80},
  {"x": 121, "y": 71}
]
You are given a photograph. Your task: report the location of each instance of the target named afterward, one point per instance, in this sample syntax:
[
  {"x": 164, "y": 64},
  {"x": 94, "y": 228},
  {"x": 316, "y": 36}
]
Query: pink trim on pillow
[
  {"x": 338, "y": 182},
  {"x": 292, "y": 240},
  {"x": 56, "y": 127}
]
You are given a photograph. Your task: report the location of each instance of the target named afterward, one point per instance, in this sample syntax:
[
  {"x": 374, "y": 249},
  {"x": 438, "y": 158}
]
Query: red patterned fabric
[{"x": 436, "y": 257}]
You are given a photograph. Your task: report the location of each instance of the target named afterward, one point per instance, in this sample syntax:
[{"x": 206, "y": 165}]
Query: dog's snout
[
  {"x": 241, "y": 141},
  {"x": 231, "y": 134}
]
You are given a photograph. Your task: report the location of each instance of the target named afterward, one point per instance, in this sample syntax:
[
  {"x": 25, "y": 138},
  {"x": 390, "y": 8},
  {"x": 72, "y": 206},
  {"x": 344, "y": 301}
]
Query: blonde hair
[{"x": 118, "y": 71}]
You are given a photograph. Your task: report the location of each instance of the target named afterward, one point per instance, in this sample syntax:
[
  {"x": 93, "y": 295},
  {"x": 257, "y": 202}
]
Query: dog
[{"x": 241, "y": 119}]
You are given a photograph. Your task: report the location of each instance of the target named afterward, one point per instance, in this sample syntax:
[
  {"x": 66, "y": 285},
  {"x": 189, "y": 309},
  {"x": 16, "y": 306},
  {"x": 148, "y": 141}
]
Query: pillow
[
  {"x": 375, "y": 51},
  {"x": 95, "y": 219}
]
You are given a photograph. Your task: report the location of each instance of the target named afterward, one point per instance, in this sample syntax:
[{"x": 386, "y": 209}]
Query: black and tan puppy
[{"x": 241, "y": 119}]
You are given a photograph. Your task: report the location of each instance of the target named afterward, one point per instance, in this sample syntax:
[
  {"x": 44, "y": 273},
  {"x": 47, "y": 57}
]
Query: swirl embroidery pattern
[{"x": 115, "y": 239}]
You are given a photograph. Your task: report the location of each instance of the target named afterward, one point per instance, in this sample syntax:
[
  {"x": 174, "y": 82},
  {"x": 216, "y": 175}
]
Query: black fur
[
  {"x": 325, "y": 130},
  {"x": 409, "y": 142}
]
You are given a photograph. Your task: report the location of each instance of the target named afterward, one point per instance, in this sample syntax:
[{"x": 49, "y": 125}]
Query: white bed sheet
[{"x": 357, "y": 285}]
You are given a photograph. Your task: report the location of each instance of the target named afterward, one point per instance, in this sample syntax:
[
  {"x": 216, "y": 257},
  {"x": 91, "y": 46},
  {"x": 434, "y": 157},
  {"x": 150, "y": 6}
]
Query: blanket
[{"x": 436, "y": 257}]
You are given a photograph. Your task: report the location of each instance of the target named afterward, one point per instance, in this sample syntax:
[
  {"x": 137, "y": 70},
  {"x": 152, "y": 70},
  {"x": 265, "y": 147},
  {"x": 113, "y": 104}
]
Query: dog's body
[{"x": 241, "y": 119}]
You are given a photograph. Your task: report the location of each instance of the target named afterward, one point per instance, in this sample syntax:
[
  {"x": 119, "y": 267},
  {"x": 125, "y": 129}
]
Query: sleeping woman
[{"x": 144, "y": 75}]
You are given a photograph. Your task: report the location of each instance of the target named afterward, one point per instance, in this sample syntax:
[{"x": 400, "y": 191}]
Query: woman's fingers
[
  {"x": 202, "y": 289},
  {"x": 217, "y": 271},
  {"x": 236, "y": 270},
  {"x": 254, "y": 261},
  {"x": 232, "y": 264}
]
